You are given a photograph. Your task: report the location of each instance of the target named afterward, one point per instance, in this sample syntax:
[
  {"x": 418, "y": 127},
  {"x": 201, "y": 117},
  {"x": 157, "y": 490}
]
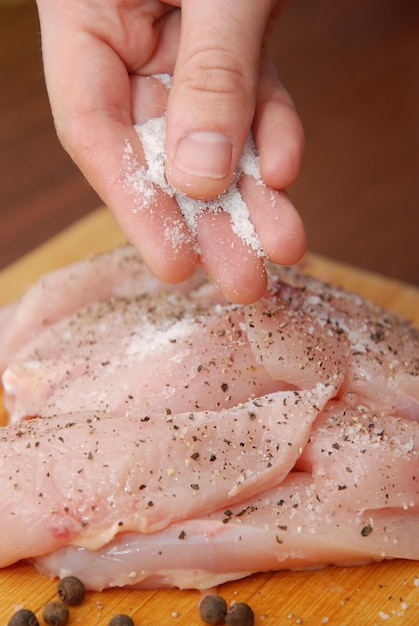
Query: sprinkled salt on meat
[
  {"x": 97, "y": 475},
  {"x": 65, "y": 290},
  {"x": 287, "y": 527},
  {"x": 363, "y": 460},
  {"x": 162, "y": 436}
]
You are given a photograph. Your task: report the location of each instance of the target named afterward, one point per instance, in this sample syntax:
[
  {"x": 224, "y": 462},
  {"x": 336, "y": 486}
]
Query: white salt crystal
[
  {"x": 384, "y": 616},
  {"x": 136, "y": 180},
  {"x": 152, "y": 134},
  {"x": 166, "y": 79},
  {"x": 143, "y": 182}
]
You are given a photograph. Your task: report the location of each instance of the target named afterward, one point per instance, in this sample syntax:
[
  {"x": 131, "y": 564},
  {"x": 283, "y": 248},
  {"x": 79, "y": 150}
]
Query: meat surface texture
[{"x": 161, "y": 436}]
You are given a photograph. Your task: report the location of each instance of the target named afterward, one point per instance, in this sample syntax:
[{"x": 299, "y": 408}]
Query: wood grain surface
[{"x": 370, "y": 595}]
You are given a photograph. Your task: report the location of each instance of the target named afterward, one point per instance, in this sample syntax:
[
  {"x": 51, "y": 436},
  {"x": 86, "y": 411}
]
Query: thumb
[{"x": 212, "y": 100}]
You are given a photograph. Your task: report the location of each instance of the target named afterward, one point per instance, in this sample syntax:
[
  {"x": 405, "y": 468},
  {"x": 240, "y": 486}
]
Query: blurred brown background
[{"x": 353, "y": 71}]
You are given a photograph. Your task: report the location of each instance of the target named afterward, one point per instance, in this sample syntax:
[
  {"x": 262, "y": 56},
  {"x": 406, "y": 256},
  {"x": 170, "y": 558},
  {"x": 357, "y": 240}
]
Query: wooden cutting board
[{"x": 371, "y": 595}]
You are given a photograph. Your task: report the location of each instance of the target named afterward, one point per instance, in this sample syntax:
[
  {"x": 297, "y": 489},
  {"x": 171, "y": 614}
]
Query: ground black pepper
[{"x": 367, "y": 530}]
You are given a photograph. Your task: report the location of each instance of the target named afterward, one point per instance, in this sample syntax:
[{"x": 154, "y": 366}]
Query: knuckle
[{"x": 215, "y": 71}]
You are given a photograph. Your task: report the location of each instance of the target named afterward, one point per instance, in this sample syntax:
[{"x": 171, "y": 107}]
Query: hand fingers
[
  {"x": 276, "y": 221},
  {"x": 148, "y": 97},
  {"x": 91, "y": 101},
  {"x": 212, "y": 101},
  {"x": 226, "y": 248},
  {"x": 113, "y": 161},
  {"x": 278, "y": 131},
  {"x": 94, "y": 119},
  {"x": 236, "y": 269}
]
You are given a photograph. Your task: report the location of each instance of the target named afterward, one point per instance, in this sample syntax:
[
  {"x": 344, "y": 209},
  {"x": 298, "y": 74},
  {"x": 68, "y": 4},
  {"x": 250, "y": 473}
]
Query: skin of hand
[{"x": 98, "y": 58}]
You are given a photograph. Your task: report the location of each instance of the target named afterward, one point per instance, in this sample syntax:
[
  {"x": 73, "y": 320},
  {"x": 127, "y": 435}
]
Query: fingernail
[{"x": 204, "y": 153}]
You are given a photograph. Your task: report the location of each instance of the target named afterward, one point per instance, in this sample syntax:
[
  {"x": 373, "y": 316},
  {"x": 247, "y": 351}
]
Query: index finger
[{"x": 90, "y": 93}]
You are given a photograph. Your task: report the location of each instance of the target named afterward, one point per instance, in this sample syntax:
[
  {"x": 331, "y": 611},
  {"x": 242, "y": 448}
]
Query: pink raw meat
[
  {"x": 67, "y": 289},
  {"x": 81, "y": 479},
  {"x": 284, "y": 528},
  {"x": 137, "y": 354},
  {"x": 181, "y": 440}
]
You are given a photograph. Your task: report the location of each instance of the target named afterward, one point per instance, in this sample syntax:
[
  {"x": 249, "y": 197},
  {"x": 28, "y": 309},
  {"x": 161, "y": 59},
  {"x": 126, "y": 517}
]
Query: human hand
[{"x": 98, "y": 58}]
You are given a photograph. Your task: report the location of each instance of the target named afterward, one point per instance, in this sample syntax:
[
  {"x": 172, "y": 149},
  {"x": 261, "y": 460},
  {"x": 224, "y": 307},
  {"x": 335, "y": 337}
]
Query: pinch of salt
[
  {"x": 136, "y": 180},
  {"x": 144, "y": 182},
  {"x": 166, "y": 79},
  {"x": 152, "y": 135}
]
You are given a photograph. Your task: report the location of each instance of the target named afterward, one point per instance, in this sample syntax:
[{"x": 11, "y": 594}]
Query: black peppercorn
[
  {"x": 240, "y": 614},
  {"x": 121, "y": 620},
  {"x": 23, "y": 617},
  {"x": 212, "y": 609},
  {"x": 71, "y": 590},
  {"x": 55, "y": 614}
]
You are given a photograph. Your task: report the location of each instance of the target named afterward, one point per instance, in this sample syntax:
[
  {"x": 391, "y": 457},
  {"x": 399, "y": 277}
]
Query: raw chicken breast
[
  {"x": 366, "y": 460},
  {"x": 284, "y": 528},
  {"x": 80, "y": 480},
  {"x": 211, "y": 354},
  {"x": 177, "y": 439},
  {"x": 65, "y": 290},
  {"x": 109, "y": 356},
  {"x": 327, "y": 330}
]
